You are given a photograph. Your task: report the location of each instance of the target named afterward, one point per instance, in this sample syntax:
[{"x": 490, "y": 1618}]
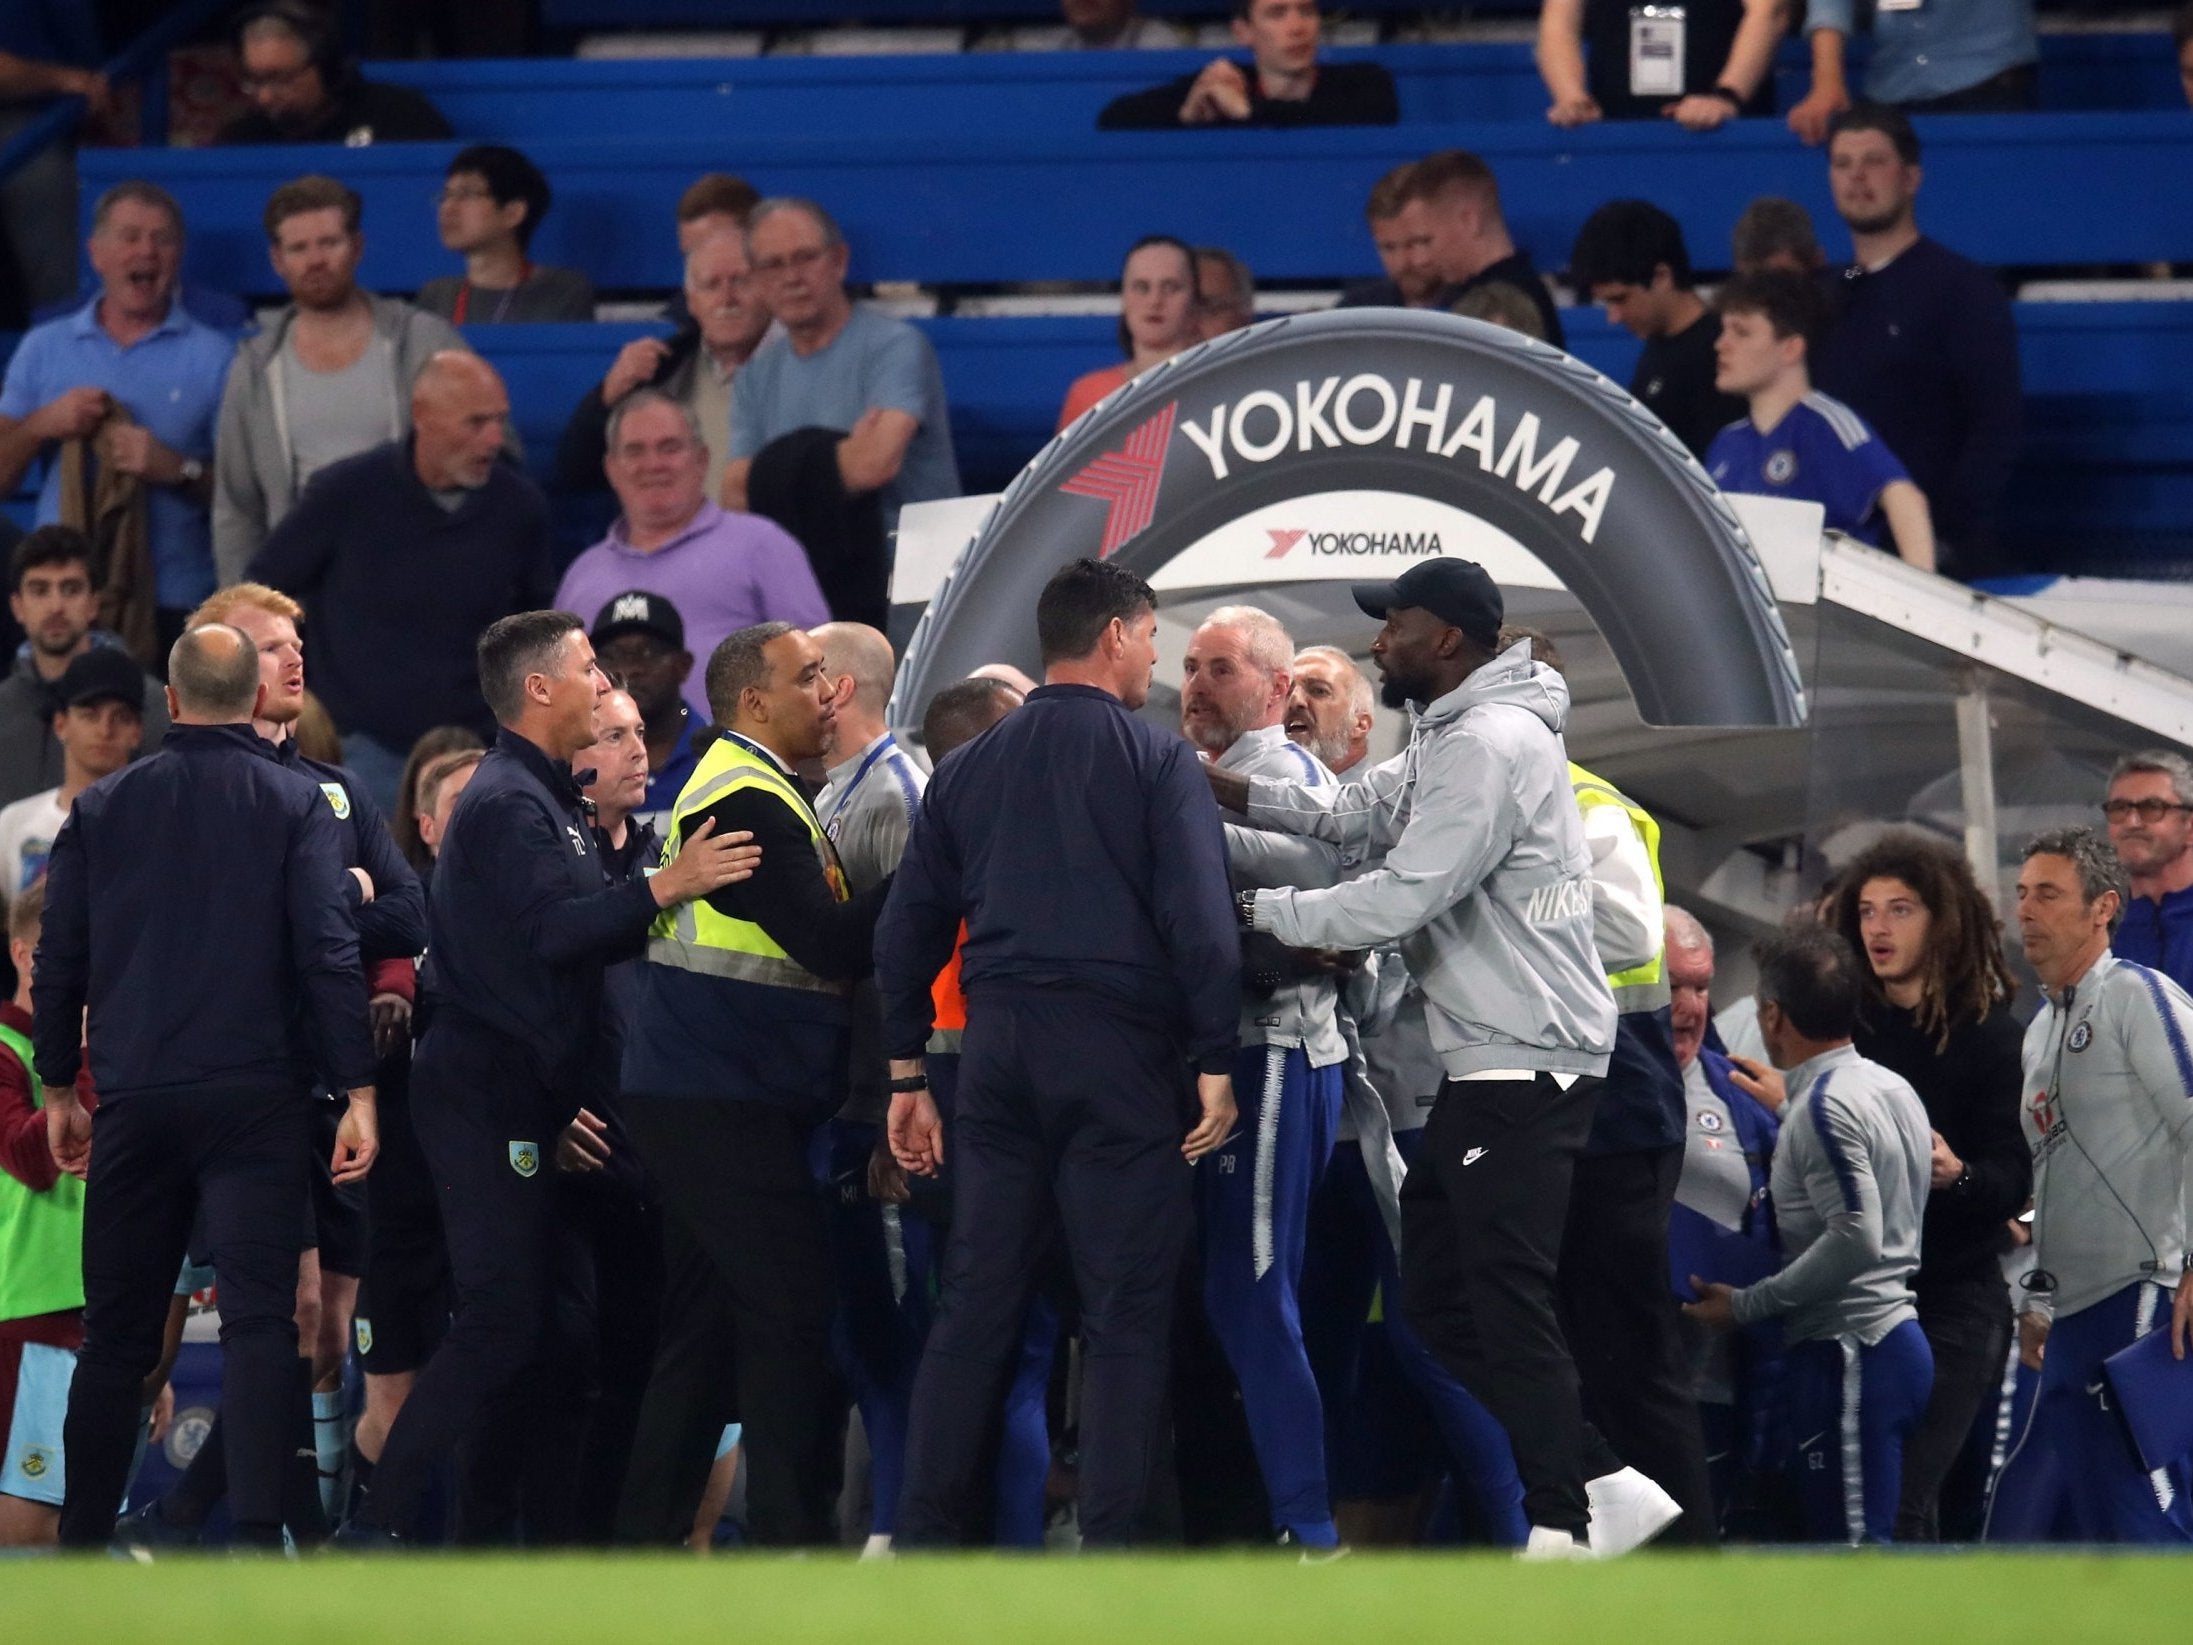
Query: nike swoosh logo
[
  {"x": 1473, "y": 1156},
  {"x": 2093, "y": 1387},
  {"x": 1810, "y": 1441}
]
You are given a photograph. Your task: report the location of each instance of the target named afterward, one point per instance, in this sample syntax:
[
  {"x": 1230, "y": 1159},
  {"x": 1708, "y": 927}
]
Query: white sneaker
[
  {"x": 877, "y": 1547},
  {"x": 1547, "y": 1544},
  {"x": 1627, "y": 1511}
]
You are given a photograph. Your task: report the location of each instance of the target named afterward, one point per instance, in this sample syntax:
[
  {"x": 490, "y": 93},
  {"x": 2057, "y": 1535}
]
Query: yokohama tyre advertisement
[{"x": 1480, "y": 420}]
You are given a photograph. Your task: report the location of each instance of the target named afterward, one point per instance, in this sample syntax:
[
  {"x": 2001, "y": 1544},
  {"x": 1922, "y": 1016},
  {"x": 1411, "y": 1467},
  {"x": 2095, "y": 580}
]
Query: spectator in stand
[
  {"x": 1158, "y": 318},
  {"x": 1922, "y": 344},
  {"x": 1500, "y": 304},
  {"x": 1776, "y": 233},
  {"x": 303, "y": 91},
  {"x": 1934, "y": 1006},
  {"x": 327, "y": 377},
  {"x": 1698, "y": 65},
  {"x": 723, "y": 571},
  {"x": 2150, "y": 816},
  {"x": 639, "y": 638},
  {"x": 2181, "y": 36},
  {"x": 725, "y": 320},
  {"x": 407, "y": 552},
  {"x": 1225, "y": 292},
  {"x": 48, "y": 49},
  {"x": 1795, "y": 442},
  {"x": 135, "y": 375},
  {"x": 1103, "y": 25},
  {"x": 1630, "y": 259},
  {"x": 55, "y": 602},
  {"x": 1953, "y": 57},
  {"x": 492, "y": 204},
  {"x": 713, "y": 203},
  {"x": 99, "y": 721},
  {"x": 861, "y": 390},
  {"x": 412, "y": 799},
  {"x": 1401, "y": 230},
  {"x": 1470, "y": 243},
  {"x": 1282, "y": 84}
]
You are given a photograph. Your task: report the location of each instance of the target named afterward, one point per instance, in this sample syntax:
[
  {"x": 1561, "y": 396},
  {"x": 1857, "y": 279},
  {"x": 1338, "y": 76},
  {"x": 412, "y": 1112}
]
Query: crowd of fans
[{"x": 344, "y": 473}]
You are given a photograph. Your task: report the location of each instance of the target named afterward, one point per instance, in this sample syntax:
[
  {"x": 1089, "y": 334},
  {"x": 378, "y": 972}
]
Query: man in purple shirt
[{"x": 723, "y": 571}]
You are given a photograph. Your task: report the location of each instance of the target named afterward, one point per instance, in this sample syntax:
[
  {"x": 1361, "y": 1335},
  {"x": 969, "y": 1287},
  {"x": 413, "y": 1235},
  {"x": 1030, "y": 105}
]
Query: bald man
[
  {"x": 326, "y": 378},
  {"x": 404, "y": 554}
]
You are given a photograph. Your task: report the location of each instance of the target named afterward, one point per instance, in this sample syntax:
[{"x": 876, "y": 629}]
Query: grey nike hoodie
[{"x": 1479, "y": 871}]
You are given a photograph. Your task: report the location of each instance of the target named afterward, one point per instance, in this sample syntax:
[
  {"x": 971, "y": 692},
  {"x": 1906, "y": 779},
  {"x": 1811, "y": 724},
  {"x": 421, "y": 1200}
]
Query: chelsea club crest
[
  {"x": 525, "y": 1158},
  {"x": 2082, "y": 1036}
]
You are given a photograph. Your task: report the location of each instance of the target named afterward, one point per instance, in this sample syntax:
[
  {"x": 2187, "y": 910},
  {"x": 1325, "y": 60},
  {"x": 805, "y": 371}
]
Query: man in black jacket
[
  {"x": 203, "y": 1059},
  {"x": 1102, "y": 964},
  {"x": 521, "y": 927},
  {"x": 303, "y": 91},
  {"x": 1937, "y": 1011},
  {"x": 1283, "y": 83},
  {"x": 406, "y": 552},
  {"x": 738, "y": 1051}
]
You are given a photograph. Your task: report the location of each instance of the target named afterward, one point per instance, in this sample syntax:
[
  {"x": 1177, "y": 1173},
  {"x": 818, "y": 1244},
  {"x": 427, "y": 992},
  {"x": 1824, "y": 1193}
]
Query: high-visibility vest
[
  {"x": 1642, "y": 987},
  {"x": 41, "y": 1231},
  {"x": 696, "y": 936}
]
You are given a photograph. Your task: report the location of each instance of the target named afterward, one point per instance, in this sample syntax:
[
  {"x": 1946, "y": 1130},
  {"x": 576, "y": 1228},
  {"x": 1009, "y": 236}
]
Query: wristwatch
[
  {"x": 1730, "y": 96},
  {"x": 1245, "y": 906}
]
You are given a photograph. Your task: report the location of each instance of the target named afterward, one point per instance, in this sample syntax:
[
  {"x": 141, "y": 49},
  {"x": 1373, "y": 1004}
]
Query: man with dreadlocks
[{"x": 1936, "y": 1009}]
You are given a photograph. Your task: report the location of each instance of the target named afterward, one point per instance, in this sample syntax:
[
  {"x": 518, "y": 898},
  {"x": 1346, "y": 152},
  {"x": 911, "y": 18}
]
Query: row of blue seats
[
  {"x": 765, "y": 14},
  {"x": 983, "y": 210},
  {"x": 2107, "y": 471},
  {"x": 527, "y": 100}
]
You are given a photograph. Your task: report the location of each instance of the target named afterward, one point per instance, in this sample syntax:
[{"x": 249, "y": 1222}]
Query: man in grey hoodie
[
  {"x": 1478, "y": 869},
  {"x": 328, "y": 377}
]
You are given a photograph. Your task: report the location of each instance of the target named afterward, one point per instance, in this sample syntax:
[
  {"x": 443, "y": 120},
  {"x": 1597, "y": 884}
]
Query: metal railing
[{"x": 144, "y": 58}]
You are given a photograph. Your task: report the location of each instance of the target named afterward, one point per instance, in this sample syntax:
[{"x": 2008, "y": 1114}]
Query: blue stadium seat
[
  {"x": 982, "y": 210},
  {"x": 1009, "y": 93}
]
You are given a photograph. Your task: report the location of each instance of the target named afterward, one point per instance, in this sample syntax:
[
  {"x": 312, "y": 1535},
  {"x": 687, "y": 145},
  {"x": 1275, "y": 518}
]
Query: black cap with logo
[
  {"x": 638, "y": 611},
  {"x": 105, "y": 673},
  {"x": 1459, "y": 592}
]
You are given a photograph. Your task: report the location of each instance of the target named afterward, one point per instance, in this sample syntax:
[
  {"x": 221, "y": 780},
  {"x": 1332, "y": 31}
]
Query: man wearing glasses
[
  {"x": 302, "y": 90},
  {"x": 838, "y": 366},
  {"x": 2150, "y": 815}
]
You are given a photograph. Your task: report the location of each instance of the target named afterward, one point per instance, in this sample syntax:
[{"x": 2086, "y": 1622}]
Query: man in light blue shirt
[
  {"x": 1929, "y": 57},
  {"x": 136, "y": 349},
  {"x": 837, "y": 365}
]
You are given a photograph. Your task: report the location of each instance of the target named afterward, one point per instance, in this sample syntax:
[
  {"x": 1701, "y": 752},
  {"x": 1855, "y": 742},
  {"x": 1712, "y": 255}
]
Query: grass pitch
[{"x": 1744, "y": 1599}]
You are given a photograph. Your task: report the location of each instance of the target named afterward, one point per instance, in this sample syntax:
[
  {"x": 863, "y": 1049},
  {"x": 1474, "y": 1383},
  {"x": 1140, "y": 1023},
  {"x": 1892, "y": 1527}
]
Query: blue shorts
[{"x": 37, "y": 1397}]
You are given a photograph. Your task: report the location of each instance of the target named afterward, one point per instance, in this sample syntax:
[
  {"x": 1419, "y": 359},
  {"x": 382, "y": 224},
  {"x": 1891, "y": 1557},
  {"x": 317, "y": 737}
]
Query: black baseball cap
[
  {"x": 1460, "y": 592},
  {"x": 638, "y": 611},
  {"x": 103, "y": 674}
]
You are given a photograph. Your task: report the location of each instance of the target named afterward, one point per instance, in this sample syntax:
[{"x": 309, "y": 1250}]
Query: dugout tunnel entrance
[{"x": 1774, "y": 696}]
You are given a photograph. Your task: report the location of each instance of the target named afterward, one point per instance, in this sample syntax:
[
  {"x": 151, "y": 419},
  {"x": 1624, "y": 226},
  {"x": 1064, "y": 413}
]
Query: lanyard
[
  {"x": 876, "y": 753},
  {"x": 464, "y": 297}
]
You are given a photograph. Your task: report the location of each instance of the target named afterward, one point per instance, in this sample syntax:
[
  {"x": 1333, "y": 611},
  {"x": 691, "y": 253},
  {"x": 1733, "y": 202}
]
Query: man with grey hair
[
  {"x": 2110, "y": 1118},
  {"x": 135, "y": 373},
  {"x": 723, "y": 570},
  {"x": 1255, "y": 1193},
  {"x": 303, "y": 90},
  {"x": 838, "y": 365},
  {"x": 1329, "y": 707},
  {"x": 523, "y": 923},
  {"x": 204, "y": 1071},
  {"x": 2150, "y": 816},
  {"x": 1225, "y": 292}
]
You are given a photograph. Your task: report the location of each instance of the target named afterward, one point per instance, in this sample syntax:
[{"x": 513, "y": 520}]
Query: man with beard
[
  {"x": 1255, "y": 1196},
  {"x": 325, "y": 378},
  {"x": 1485, "y": 882},
  {"x": 408, "y": 551},
  {"x": 1922, "y": 344},
  {"x": 1329, "y": 707},
  {"x": 2150, "y": 816},
  {"x": 54, "y": 600}
]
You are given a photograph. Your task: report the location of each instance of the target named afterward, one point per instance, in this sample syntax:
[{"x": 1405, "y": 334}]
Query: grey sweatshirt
[
  {"x": 254, "y": 470},
  {"x": 1481, "y": 875},
  {"x": 1850, "y": 1187},
  {"x": 2109, "y": 1112},
  {"x": 1300, "y": 1011}
]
